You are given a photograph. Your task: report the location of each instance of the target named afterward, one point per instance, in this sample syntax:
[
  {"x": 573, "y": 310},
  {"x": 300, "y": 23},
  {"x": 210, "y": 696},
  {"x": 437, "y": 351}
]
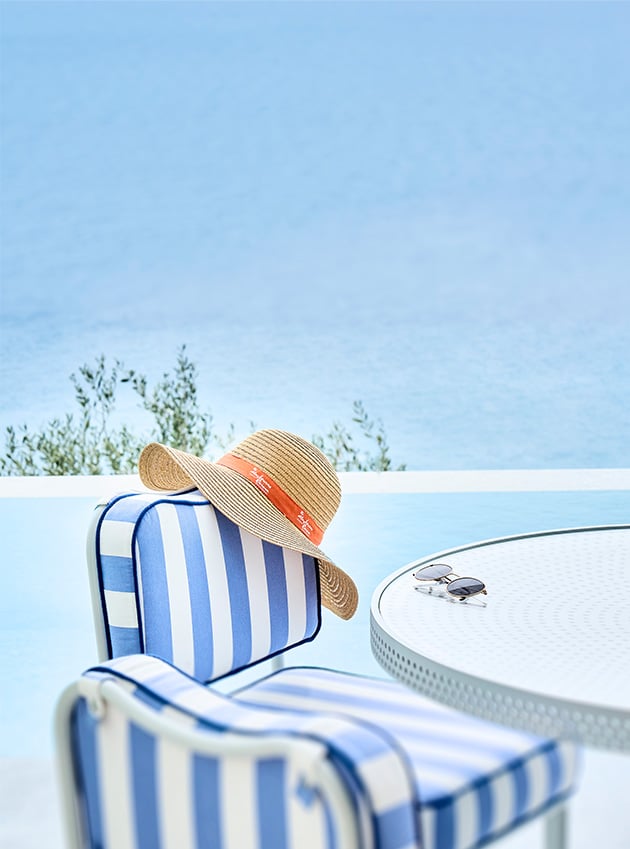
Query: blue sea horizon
[{"x": 421, "y": 206}]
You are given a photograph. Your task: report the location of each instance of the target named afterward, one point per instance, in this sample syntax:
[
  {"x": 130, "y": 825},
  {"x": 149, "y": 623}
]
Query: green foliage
[
  {"x": 363, "y": 448},
  {"x": 88, "y": 442},
  {"x": 175, "y": 407},
  {"x": 82, "y": 443}
]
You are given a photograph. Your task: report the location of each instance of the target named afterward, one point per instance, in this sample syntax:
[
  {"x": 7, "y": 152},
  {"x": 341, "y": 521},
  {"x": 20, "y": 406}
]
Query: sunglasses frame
[{"x": 447, "y": 579}]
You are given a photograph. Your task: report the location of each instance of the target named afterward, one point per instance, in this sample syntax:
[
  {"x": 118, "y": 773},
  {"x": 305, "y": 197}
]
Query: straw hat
[{"x": 273, "y": 484}]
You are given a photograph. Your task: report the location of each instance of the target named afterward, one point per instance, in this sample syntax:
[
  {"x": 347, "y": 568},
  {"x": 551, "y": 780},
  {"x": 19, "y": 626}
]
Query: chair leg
[{"x": 556, "y": 828}]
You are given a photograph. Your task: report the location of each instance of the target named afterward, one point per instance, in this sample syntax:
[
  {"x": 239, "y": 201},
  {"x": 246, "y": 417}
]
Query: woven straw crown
[{"x": 286, "y": 463}]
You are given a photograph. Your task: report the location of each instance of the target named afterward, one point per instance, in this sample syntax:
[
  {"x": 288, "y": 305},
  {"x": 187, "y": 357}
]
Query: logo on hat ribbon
[
  {"x": 261, "y": 482},
  {"x": 305, "y": 525},
  {"x": 281, "y": 500}
]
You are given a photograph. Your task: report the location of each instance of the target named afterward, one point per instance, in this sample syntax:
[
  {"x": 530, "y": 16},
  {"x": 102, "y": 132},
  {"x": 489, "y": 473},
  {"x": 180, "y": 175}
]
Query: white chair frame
[
  {"x": 306, "y": 755},
  {"x": 323, "y": 775}
]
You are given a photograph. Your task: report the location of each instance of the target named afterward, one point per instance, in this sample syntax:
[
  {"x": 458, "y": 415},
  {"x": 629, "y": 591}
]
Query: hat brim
[{"x": 165, "y": 468}]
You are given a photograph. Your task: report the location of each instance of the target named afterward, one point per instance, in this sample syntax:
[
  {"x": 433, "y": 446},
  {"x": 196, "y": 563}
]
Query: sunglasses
[{"x": 459, "y": 588}]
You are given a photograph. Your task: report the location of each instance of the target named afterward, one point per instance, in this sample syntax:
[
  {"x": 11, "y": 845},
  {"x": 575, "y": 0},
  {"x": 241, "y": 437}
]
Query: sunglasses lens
[
  {"x": 464, "y": 587},
  {"x": 433, "y": 572}
]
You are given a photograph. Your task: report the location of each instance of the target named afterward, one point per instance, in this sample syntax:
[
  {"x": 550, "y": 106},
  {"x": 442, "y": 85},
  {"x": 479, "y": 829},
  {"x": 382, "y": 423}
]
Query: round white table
[{"x": 547, "y": 650}]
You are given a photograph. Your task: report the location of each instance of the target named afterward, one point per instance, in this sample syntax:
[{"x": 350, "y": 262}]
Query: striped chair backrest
[
  {"x": 155, "y": 769},
  {"x": 176, "y": 579}
]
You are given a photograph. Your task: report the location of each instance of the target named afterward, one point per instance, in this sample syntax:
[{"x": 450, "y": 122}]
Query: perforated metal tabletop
[{"x": 550, "y": 650}]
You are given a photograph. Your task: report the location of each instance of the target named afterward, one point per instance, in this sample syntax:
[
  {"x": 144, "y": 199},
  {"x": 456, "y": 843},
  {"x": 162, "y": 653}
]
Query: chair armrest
[{"x": 347, "y": 768}]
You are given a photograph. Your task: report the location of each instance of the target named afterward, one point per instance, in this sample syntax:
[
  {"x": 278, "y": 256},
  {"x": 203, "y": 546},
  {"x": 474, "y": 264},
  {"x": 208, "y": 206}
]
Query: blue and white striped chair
[{"x": 153, "y": 757}]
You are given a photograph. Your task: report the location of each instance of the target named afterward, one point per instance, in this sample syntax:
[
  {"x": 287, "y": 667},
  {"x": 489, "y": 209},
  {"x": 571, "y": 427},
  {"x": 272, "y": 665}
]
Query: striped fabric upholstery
[
  {"x": 141, "y": 790},
  {"x": 180, "y": 581},
  {"x": 475, "y": 780}
]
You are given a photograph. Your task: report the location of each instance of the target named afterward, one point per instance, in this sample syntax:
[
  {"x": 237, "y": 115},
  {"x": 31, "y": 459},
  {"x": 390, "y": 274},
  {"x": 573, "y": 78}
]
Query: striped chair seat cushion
[
  {"x": 475, "y": 780},
  {"x": 148, "y": 790},
  {"x": 165, "y": 588}
]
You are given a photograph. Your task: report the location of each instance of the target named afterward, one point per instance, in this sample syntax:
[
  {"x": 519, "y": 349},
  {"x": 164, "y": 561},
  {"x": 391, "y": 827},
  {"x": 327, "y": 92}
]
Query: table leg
[{"x": 556, "y": 827}]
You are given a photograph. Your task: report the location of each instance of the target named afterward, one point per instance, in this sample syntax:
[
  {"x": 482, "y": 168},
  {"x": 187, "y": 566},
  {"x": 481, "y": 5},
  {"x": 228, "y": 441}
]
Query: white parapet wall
[{"x": 489, "y": 480}]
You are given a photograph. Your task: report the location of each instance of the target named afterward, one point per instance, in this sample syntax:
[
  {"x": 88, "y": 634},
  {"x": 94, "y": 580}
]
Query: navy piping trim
[
  {"x": 99, "y": 566},
  {"x": 170, "y": 500},
  {"x": 99, "y": 569}
]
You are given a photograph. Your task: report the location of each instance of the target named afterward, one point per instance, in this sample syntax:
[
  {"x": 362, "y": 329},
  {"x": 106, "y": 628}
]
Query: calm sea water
[{"x": 423, "y": 206}]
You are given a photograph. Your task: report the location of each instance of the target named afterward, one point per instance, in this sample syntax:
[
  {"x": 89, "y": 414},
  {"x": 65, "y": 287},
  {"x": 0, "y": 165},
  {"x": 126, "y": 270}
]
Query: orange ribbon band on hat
[{"x": 276, "y": 495}]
